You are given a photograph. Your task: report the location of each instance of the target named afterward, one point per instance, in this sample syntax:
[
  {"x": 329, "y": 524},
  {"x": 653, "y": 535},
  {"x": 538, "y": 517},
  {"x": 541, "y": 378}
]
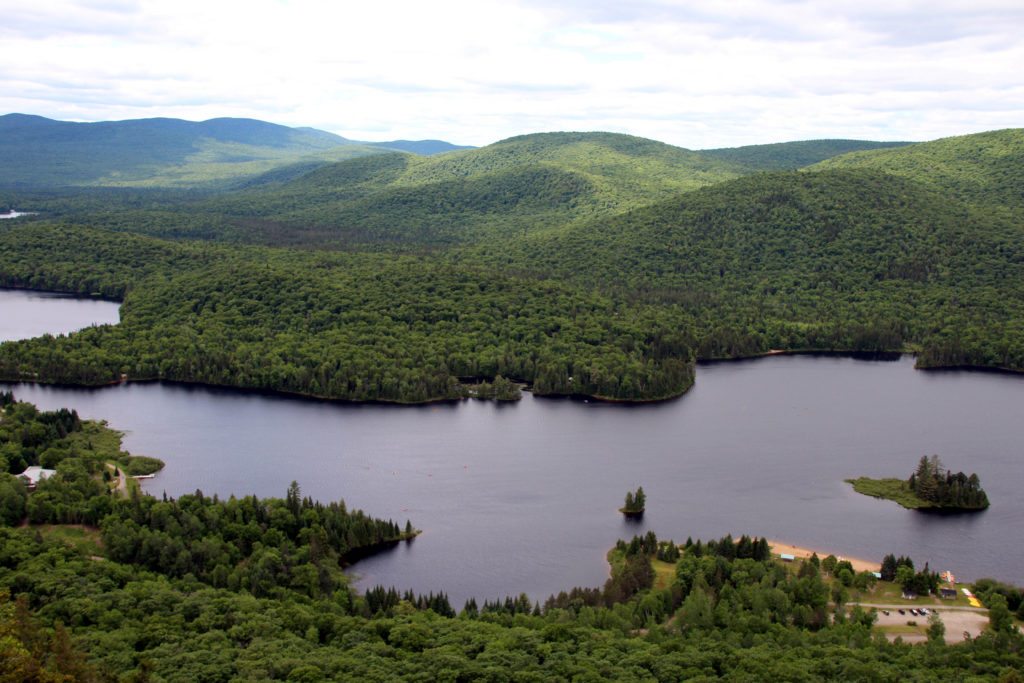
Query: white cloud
[{"x": 697, "y": 74}]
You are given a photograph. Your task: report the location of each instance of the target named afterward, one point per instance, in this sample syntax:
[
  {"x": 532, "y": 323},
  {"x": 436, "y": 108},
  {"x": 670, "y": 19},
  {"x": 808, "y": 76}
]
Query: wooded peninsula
[
  {"x": 931, "y": 486},
  {"x": 585, "y": 264}
]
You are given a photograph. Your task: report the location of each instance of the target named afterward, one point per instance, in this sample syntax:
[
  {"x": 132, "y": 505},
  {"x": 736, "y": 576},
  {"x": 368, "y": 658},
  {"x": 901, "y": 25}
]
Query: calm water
[
  {"x": 522, "y": 498},
  {"x": 31, "y": 314}
]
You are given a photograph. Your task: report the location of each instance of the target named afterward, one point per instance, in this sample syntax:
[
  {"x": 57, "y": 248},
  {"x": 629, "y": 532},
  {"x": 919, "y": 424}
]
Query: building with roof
[{"x": 35, "y": 474}]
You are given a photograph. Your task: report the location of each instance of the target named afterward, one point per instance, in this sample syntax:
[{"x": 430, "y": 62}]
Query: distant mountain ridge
[
  {"x": 39, "y": 152},
  {"x": 789, "y": 156},
  {"x": 421, "y": 147},
  {"x": 530, "y": 182},
  {"x": 41, "y": 130}
]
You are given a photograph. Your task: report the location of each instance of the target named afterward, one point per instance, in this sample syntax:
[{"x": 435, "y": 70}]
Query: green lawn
[
  {"x": 664, "y": 574},
  {"x": 888, "y": 593},
  {"x": 890, "y": 489},
  {"x": 83, "y": 538}
]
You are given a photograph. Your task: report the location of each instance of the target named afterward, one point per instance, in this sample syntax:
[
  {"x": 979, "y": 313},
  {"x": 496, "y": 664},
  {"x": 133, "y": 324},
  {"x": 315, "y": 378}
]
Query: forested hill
[
  {"x": 985, "y": 169},
  {"x": 41, "y": 152},
  {"x": 854, "y": 260},
  {"x": 789, "y": 156},
  {"x": 403, "y": 201},
  {"x": 608, "y": 259},
  {"x": 367, "y": 327},
  {"x": 424, "y": 147},
  {"x": 521, "y": 185},
  {"x": 624, "y": 169}
]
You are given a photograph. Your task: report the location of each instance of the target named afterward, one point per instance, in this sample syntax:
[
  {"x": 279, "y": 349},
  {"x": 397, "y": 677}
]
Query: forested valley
[
  {"x": 614, "y": 297},
  {"x": 571, "y": 264}
]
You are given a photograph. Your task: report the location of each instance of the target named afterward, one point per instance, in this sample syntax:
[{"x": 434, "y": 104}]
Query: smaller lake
[
  {"x": 15, "y": 214},
  {"x": 25, "y": 314}
]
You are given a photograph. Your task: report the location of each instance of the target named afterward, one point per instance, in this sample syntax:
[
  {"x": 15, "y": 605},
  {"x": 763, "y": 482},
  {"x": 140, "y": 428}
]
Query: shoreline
[{"x": 802, "y": 552}]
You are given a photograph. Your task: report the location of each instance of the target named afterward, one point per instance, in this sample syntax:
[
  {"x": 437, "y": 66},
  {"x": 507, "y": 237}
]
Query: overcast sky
[{"x": 692, "y": 73}]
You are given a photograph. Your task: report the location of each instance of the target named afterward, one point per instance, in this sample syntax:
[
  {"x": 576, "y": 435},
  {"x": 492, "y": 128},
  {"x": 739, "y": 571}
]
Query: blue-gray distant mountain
[
  {"x": 36, "y": 151},
  {"x": 787, "y": 156},
  {"x": 421, "y": 147}
]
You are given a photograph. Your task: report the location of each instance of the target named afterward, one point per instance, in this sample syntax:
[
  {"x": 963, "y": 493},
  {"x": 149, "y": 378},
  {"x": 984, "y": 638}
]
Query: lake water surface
[
  {"x": 524, "y": 497},
  {"x": 25, "y": 314}
]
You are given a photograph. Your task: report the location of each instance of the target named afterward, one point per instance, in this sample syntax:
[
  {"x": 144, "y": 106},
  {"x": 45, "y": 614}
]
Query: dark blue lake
[{"x": 524, "y": 497}]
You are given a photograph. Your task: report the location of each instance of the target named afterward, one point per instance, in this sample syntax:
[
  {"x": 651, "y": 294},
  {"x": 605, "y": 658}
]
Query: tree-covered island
[
  {"x": 635, "y": 503},
  {"x": 930, "y": 487}
]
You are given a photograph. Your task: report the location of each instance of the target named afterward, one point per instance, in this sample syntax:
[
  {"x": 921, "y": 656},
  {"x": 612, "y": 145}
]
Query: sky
[{"x": 698, "y": 73}]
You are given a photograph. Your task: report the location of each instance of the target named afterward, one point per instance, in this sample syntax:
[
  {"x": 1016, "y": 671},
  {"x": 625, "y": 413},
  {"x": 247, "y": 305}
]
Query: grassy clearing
[
  {"x": 82, "y": 538},
  {"x": 888, "y": 593},
  {"x": 895, "y": 490},
  {"x": 664, "y": 574}
]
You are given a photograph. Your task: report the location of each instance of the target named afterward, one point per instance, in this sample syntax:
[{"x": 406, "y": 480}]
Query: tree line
[{"x": 933, "y": 483}]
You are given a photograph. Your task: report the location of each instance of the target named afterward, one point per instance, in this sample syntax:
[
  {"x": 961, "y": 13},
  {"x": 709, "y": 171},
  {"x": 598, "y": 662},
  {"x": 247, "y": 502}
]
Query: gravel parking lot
[{"x": 957, "y": 621}]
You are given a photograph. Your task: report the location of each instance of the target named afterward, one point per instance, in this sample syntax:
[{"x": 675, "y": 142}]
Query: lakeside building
[{"x": 35, "y": 474}]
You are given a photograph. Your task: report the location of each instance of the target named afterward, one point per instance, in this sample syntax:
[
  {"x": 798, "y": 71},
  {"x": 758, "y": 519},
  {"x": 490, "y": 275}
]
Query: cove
[
  {"x": 25, "y": 314},
  {"x": 525, "y": 497}
]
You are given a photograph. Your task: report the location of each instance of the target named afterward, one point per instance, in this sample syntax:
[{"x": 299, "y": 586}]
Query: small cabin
[
  {"x": 947, "y": 593},
  {"x": 786, "y": 557},
  {"x": 35, "y": 474}
]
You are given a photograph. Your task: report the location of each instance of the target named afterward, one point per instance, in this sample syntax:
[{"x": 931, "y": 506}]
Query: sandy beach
[{"x": 859, "y": 564}]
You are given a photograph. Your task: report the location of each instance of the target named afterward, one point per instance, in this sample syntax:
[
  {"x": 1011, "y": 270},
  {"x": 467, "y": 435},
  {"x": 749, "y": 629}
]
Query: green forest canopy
[{"x": 611, "y": 260}]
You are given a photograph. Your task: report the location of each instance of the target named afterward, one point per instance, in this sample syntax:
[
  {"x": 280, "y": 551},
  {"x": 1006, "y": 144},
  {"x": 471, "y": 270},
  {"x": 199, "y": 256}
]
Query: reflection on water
[
  {"x": 25, "y": 314},
  {"x": 525, "y": 497}
]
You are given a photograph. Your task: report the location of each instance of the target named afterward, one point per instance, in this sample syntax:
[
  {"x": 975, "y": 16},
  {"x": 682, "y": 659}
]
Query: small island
[
  {"x": 635, "y": 503},
  {"x": 931, "y": 486}
]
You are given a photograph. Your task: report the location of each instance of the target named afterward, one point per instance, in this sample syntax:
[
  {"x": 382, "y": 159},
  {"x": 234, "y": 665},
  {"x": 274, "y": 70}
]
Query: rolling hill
[
  {"x": 39, "y": 152},
  {"x": 855, "y": 259},
  {"x": 789, "y": 156},
  {"x": 986, "y": 169},
  {"x": 516, "y": 186},
  {"x": 864, "y": 258},
  {"x": 423, "y": 147}
]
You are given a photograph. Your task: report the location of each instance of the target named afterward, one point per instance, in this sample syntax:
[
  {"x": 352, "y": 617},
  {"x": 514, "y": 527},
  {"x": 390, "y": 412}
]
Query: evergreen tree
[{"x": 888, "y": 570}]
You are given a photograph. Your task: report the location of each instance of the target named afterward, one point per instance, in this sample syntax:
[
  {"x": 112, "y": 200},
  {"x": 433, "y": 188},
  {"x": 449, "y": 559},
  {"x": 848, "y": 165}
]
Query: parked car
[
  {"x": 913, "y": 611},
  {"x": 924, "y": 611},
  {"x": 902, "y": 612},
  {"x": 885, "y": 612}
]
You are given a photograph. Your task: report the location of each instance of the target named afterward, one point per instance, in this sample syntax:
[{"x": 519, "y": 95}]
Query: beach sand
[{"x": 859, "y": 564}]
